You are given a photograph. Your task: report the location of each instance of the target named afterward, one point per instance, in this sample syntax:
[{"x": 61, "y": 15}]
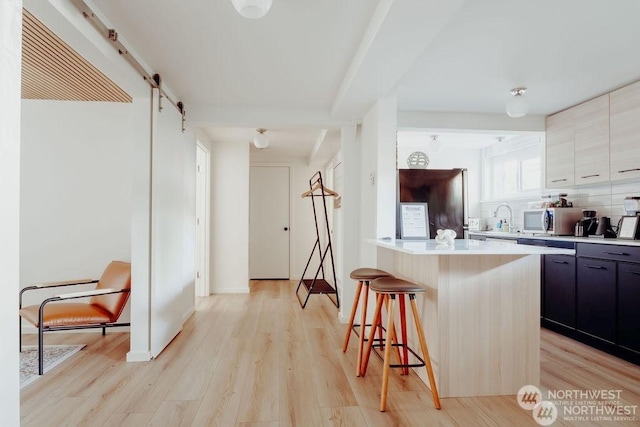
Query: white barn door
[{"x": 172, "y": 224}]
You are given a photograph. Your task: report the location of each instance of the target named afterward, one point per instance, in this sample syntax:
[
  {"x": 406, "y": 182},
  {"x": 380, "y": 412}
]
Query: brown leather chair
[{"x": 102, "y": 310}]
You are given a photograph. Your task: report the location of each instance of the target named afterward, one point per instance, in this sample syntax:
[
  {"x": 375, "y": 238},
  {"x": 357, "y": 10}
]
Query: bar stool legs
[
  {"x": 387, "y": 357},
  {"x": 425, "y": 351},
  {"x": 354, "y": 308},
  {"x": 364, "y": 276},
  {"x": 363, "y": 321},
  {"x": 384, "y": 289}
]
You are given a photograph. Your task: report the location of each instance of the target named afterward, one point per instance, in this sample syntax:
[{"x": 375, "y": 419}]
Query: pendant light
[
  {"x": 252, "y": 9},
  {"x": 518, "y": 105},
  {"x": 260, "y": 140}
]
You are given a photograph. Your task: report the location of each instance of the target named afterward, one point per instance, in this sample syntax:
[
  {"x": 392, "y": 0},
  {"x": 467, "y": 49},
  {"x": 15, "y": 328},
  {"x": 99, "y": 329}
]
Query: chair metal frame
[{"x": 63, "y": 297}]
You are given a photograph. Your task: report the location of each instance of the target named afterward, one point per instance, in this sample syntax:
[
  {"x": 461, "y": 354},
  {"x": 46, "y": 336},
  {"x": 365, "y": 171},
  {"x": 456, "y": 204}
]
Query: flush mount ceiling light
[
  {"x": 252, "y": 9},
  {"x": 518, "y": 105},
  {"x": 260, "y": 140}
]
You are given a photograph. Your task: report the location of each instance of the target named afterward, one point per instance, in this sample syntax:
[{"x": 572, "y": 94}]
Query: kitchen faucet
[{"x": 504, "y": 205}]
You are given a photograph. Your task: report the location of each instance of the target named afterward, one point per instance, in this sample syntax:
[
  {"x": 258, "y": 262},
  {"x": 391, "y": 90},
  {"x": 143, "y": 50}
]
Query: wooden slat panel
[{"x": 52, "y": 70}]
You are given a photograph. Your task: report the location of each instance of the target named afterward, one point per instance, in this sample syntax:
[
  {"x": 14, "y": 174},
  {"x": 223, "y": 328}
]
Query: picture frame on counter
[
  {"x": 629, "y": 227},
  {"x": 414, "y": 221}
]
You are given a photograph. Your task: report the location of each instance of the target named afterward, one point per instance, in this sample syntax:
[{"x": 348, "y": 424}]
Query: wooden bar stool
[
  {"x": 364, "y": 276},
  {"x": 390, "y": 287}
]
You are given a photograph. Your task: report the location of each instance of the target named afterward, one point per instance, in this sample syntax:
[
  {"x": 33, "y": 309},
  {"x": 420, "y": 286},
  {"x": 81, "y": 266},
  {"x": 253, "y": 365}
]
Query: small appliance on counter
[
  {"x": 477, "y": 224},
  {"x": 551, "y": 221},
  {"x": 588, "y": 225},
  {"x": 632, "y": 205},
  {"x": 604, "y": 229}
]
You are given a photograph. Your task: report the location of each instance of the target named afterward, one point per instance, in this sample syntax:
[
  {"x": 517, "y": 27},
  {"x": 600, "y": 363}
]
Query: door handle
[
  {"x": 560, "y": 262},
  {"x": 617, "y": 253},
  {"x": 595, "y": 267},
  {"x": 637, "y": 273},
  {"x": 286, "y": 229}
]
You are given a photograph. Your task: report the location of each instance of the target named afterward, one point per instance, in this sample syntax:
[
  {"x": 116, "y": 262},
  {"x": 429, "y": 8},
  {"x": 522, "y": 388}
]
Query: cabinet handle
[
  {"x": 637, "y": 273},
  {"x": 595, "y": 267},
  {"x": 559, "y": 180},
  {"x": 590, "y": 176},
  {"x": 560, "y": 262},
  {"x": 617, "y": 253},
  {"x": 629, "y": 170}
]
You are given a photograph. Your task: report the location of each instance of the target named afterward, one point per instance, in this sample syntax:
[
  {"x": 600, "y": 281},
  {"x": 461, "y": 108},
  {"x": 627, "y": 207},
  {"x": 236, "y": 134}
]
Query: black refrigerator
[{"x": 445, "y": 193}]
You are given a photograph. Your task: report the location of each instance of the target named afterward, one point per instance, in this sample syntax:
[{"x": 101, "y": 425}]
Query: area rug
[{"x": 53, "y": 356}]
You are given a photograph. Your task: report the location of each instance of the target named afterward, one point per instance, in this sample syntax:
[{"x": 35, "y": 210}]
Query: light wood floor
[{"x": 260, "y": 360}]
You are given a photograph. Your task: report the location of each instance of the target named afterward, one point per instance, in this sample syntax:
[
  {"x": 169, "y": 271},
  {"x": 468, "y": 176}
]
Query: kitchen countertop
[
  {"x": 513, "y": 236},
  {"x": 466, "y": 247}
]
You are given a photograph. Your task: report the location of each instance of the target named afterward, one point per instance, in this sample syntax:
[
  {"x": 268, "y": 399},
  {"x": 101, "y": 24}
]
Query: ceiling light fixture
[
  {"x": 518, "y": 105},
  {"x": 260, "y": 140},
  {"x": 252, "y": 9}
]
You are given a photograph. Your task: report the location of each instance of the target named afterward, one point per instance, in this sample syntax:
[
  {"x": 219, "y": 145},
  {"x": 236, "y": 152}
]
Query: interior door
[{"x": 269, "y": 222}]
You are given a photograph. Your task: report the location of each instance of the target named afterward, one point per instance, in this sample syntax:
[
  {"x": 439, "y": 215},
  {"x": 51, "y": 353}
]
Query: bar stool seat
[
  {"x": 388, "y": 288},
  {"x": 367, "y": 273},
  {"x": 364, "y": 276}
]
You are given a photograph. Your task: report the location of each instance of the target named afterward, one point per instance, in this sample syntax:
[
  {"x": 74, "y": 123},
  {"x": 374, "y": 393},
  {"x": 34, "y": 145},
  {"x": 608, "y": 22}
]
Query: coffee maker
[{"x": 588, "y": 225}]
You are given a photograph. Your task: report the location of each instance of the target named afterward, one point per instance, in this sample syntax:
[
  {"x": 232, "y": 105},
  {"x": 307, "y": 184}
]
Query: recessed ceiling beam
[
  {"x": 398, "y": 33},
  {"x": 316, "y": 146}
]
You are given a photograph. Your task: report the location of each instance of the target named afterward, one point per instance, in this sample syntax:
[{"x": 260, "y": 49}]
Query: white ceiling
[{"x": 309, "y": 64}]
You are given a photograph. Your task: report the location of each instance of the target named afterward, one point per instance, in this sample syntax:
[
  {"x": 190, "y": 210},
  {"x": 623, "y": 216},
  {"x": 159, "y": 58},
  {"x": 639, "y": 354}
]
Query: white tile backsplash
[{"x": 606, "y": 199}]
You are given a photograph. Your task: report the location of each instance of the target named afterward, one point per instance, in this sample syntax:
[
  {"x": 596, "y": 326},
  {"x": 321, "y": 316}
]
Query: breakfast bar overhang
[{"x": 480, "y": 313}]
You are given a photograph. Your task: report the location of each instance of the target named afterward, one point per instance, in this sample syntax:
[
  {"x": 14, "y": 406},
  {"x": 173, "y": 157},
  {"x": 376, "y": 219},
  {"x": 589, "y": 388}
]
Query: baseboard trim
[
  {"x": 187, "y": 315},
  {"x": 230, "y": 291},
  {"x": 343, "y": 318},
  {"x": 138, "y": 356}
]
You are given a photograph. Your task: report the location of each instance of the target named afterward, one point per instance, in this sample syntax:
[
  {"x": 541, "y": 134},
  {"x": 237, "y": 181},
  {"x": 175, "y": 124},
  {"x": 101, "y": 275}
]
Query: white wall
[
  {"x": 347, "y": 176},
  {"x": 75, "y": 191},
  {"x": 229, "y": 267},
  {"x": 377, "y": 176},
  {"x": 10, "y": 42}
]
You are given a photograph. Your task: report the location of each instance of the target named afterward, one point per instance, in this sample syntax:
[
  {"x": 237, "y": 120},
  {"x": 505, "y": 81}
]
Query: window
[{"x": 513, "y": 168}]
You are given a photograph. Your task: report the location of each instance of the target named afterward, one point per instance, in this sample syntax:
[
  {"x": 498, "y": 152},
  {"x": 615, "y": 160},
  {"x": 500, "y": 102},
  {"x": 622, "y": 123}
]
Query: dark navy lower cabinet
[
  {"x": 596, "y": 298},
  {"x": 629, "y": 306},
  {"x": 559, "y": 290}
]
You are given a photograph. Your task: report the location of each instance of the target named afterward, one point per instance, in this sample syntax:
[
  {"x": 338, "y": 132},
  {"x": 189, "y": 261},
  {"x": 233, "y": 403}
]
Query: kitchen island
[{"x": 480, "y": 313}]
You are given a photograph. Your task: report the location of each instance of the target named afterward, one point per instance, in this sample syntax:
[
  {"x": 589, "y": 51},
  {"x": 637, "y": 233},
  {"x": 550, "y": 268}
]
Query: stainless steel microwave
[{"x": 552, "y": 221}]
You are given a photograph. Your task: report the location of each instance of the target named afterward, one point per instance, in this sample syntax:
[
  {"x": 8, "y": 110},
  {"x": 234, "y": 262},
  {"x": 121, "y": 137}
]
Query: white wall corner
[
  {"x": 10, "y": 111},
  {"x": 230, "y": 166}
]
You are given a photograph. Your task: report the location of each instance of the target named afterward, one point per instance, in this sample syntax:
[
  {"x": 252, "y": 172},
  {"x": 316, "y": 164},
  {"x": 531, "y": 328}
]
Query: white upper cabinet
[
  {"x": 559, "y": 153},
  {"x": 591, "y": 141},
  {"x": 625, "y": 133}
]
